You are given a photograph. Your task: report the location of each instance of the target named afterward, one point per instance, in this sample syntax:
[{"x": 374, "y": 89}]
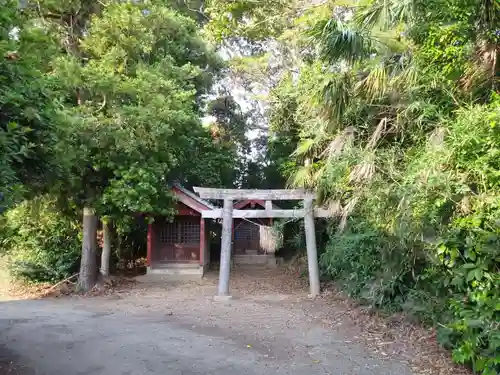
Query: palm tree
[{"x": 369, "y": 95}]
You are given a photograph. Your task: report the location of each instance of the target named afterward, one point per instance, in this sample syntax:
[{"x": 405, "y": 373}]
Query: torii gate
[{"x": 227, "y": 214}]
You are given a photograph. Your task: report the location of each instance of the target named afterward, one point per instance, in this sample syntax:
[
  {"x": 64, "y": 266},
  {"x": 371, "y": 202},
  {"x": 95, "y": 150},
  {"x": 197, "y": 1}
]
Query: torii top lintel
[{"x": 269, "y": 195}]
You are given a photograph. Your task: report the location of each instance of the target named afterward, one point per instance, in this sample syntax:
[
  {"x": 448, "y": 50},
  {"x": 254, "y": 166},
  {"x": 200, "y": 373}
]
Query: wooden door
[
  {"x": 179, "y": 241},
  {"x": 246, "y": 237}
]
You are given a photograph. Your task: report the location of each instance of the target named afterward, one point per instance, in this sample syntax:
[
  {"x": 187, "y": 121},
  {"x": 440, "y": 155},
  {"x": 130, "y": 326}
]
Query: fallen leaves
[
  {"x": 105, "y": 286},
  {"x": 391, "y": 338}
]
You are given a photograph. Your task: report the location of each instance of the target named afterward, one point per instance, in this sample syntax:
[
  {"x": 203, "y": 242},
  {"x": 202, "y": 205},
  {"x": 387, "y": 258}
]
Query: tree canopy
[
  {"x": 388, "y": 109},
  {"x": 27, "y": 133},
  {"x": 137, "y": 106},
  {"x": 125, "y": 85}
]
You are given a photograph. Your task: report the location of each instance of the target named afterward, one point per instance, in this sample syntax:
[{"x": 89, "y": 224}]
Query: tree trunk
[
  {"x": 88, "y": 265},
  {"x": 106, "y": 247}
]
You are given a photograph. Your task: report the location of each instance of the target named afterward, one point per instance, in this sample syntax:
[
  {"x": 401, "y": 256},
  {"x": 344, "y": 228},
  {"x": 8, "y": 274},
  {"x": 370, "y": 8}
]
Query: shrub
[
  {"x": 427, "y": 239},
  {"x": 369, "y": 263},
  {"x": 472, "y": 250},
  {"x": 42, "y": 243},
  {"x": 474, "y": 332}
]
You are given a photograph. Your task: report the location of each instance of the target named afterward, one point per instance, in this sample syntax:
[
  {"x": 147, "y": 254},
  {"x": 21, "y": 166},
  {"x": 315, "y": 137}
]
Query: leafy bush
[
  {"x": 371, "y": 265},
  {"x": 342, "y": 259},
  {"x": 42, "y": 244},
  {"x": 429, "y": 242},
  {"x": 474, "y": 332},
  {"x": 473, "y": 252},
  {"x": 472, "y": 244}
]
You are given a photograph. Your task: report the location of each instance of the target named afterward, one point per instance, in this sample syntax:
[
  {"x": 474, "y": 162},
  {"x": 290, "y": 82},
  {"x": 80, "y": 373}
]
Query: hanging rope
[{"x": 270, "y": 237}]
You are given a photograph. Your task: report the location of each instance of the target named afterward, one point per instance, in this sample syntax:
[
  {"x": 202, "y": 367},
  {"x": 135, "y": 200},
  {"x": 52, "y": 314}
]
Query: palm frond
[
  {"x": 302, "y": 178},
  {"x": 337, "y": 41},
  {"x": 403, "y": 11},
  {"x": 373, "y": 14},
  {"x": 385, "y": 14},
  {"x": 482, "y": 72},
  {"x": 406, "y": 78},
  {"x": 363, "y": 172},
  {"x": 346, "y": 211},
  {"x": 305, "y": 147},
  {"x": 377, "y": 134},
  {"x": 336, "y": 96},
  {"x": 489, "y": 13},
  {"x": 474, "y": 76},
  {"x": 375, "y": 84},
  {"x": 396, "y": 73},
  {"x": 338, "y": 144},
  {"x": 330, "y": 204},
  {"x": 334, "y": 207},
  {"x": 488, "y": 55}
]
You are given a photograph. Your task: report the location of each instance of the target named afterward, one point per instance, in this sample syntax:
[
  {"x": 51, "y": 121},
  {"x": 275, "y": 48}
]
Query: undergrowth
[
  {"x": 42, "y": 244},
  {"x": 428, "y": 243}
]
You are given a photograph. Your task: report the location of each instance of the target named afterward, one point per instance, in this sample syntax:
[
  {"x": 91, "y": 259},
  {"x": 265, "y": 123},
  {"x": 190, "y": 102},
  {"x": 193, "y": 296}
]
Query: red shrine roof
[
  {"x": 190, "y": 199},
  {"x": 198, "y": 204}
]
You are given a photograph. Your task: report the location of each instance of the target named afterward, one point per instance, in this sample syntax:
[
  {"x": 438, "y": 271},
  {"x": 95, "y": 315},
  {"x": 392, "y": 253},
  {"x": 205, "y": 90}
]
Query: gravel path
[{"x": 168, "y": 328}]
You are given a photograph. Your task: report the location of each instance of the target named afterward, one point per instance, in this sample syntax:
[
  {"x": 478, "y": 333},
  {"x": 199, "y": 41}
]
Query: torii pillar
[
  {"x": 227, "y": 214},
  {"x": 225, "y": 254}
]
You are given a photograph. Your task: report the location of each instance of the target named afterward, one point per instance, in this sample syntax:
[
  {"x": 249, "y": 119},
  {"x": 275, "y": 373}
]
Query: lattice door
[
  {"x": 180, "y": 241},
  {"x": 246, "y": 237}
]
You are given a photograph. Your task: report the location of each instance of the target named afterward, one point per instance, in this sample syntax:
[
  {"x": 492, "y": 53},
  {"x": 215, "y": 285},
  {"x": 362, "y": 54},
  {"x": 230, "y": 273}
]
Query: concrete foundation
[
  {"x": 178, "y": 271},
  {"x": 272, "y": 262},
  {"x": 222, "y": 298},
  {"x": 262, "y": 259}
]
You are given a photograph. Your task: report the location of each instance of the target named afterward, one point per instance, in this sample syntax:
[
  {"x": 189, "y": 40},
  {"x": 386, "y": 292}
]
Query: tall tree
[
  {"x": 27, "y": 128},
  {"x": 132, "y": 79}
]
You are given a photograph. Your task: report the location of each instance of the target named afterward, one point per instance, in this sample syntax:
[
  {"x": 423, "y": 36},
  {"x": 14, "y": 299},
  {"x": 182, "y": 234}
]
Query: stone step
[
  {"x": 252, "y": 259},
  {"x": 177, "y": 269},
  {"x": 177, "y": 265}
]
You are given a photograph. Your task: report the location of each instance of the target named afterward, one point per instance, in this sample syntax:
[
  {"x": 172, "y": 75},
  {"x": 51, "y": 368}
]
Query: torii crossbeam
[{"x": 227, "y": 214}]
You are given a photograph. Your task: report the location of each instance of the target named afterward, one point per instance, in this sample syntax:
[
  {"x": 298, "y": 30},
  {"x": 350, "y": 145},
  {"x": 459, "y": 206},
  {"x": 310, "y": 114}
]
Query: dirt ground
[{"x": 158, "y": 327}]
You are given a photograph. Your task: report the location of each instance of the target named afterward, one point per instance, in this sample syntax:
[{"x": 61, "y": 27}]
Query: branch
[
  {"x": 103, "y": 104},
  {"x": 198, "y": 11},
  {"x": 62, "y": 282},
  {"x": 307, "y": 7}
]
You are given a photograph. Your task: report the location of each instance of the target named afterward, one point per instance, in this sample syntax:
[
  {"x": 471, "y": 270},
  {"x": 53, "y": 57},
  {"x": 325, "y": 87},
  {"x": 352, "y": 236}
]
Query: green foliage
[
  {"x": 136, "y": 110},
  {"x": 207, "y": 162},
  {"x": 363, "y": 273},
  {"x": 101, "y": 107},
  {"x": 27, "y": 134},
  {"x": 256, "y": 20},
  {"x": 395, "y": 108},
  {"x": 471, "y": 254},
  {"x": 427, "y": 240},
  {"x": 42, "y": 244},
  {"x": 131, "y": 85},
  {"x": 474, "y": 330}
]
